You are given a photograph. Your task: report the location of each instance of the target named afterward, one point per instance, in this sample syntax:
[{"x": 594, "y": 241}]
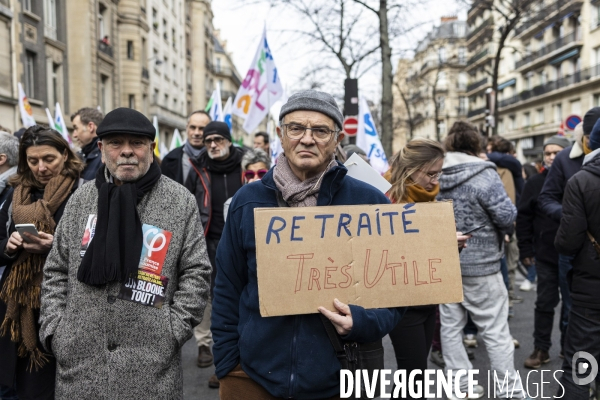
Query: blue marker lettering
[
  {"x": 324, "y": 218},
  {"x": 295, "y": 219},
  {"x": 343, "y": 222},
  {"x": 362, "y": 225},
  {"x": 274, "y": 231},
  {"x": 391, "y": 214}
]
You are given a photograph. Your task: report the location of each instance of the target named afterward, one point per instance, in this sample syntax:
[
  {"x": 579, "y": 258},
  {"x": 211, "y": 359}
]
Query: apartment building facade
[
  {"x": 433, "y": 83},
  {"x": 548, "y": 72}
]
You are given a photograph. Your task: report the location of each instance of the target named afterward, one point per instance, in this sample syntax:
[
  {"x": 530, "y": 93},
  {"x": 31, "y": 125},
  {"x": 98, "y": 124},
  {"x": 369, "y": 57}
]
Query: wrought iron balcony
[
  {"x": 105, "y": 48},
  {"x": 475, "y": 85},
  {"x": 557, "y": 44},
  {"x": 485, "y": 24},
  {"x": 475, "y": 112}
]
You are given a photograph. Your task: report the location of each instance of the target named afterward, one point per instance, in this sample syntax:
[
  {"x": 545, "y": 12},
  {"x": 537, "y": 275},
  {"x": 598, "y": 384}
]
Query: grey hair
[
  {"x": 9, "y": 145},
  {"x": 254, "y": 156}
]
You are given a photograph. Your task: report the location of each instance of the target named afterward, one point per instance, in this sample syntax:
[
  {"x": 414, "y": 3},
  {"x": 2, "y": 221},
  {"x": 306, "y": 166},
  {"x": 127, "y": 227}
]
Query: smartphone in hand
[{"x": 29, "y": 228}]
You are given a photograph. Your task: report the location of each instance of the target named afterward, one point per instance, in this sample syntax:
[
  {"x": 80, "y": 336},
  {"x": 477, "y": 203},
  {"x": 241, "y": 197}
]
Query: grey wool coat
[{"x": 108, "y": 348}]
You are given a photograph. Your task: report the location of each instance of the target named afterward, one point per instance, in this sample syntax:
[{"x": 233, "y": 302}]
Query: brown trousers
[{"x": 238, "y": 385}]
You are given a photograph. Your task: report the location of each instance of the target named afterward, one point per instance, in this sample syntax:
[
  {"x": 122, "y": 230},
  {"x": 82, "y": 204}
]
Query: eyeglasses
[
  {"x": 549, "y": 153},
  {"x": 433, "y": 175},
  {"x": 218, "y": 140},
  {"x": 320, "y": 134},
  {"x": 249, "y": 175}
]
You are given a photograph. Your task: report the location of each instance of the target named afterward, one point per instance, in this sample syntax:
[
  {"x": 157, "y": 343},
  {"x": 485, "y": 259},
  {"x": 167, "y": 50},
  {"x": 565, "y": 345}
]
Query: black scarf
[
  {"x": 115, "y": 250},
  {"x": 226, "y": 166}
]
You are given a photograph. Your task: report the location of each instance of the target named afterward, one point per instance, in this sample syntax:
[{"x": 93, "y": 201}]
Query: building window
[
  {"x": 144, "y": 104},
  {"x": 462, "y": 55},
  {"x": 557, "y": 71},
  {"x": 442, "y": 128},
  {"x": 596, "y": 100},
  {"x": 218, "y": 64},
  {"x": 596, "y": 56},
  {"x": 102, "y": 22},
  {"x": 166, "y": 104},
  {"x": 542, "y": 77},
  {"x": 558, "y": 112},
  {"x": 500, "y": 126},
  {"x": 27, "y": 5},
  {"x": 130, "y": 50},
  {"x": 131, "y": 101},
  {"x": 442, "y": 54},
  {"x": 463, "y": 80},
  {"x": 155, "y": 97},
  {"x": 576, "y": 107},
  {"x": 104, "y": 92},
  {"x": 50, "y": 19},
  {"x": 540, "y": 116},
  {"x": 30, "y": 74},
  {"x": 155, "y": 19},
  {"x": 54, "y": 82},
  {"x": 512, "y": 123},
  {"x": 526, "y": 119},
  {"x": 441, "y": 100},
  {"x": 442, "y": 79}
]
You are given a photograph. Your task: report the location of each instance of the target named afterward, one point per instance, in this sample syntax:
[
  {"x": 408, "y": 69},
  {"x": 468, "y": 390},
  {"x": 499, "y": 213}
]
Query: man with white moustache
[{"x": 215, "y": 176}]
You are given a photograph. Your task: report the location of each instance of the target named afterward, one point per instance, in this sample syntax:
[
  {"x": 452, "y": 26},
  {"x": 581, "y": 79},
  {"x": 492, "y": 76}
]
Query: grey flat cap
[{"x": 312, "y": 100}]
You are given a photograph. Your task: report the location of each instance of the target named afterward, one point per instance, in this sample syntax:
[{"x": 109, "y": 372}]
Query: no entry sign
[{"x": 351, "y": 126}]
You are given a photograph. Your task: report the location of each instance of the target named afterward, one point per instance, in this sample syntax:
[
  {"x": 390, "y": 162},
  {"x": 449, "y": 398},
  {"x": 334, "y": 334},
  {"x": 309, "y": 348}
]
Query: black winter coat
[
  {"x": 171, "y": 167},
  {"x": 581, "y": 213},
  {"x": 535, "y": 229},
  {"x": 563, "y": 168}
]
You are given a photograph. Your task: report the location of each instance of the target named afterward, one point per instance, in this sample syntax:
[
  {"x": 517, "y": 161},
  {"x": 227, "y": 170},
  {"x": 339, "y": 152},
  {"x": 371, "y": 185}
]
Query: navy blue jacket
[
  {"x": 289, "y": 356},
  {"x": 90, "y": 154},
  {"x": 551, "y": 196}
]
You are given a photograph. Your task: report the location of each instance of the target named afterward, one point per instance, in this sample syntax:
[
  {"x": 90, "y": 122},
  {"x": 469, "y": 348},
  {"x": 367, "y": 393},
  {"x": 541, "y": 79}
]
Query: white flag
[
  {"x": 60, "y": 124},
  {"x": 25, "y": 108},
  {"x": 368, "y": 140},
  {"x": 276, "y": 150},
  {"x": 176, "y": 141},
  {"x": 227, "y": 113},
  {"x": 163, "y": 150},
  {"x": 50, "y": 119},
  {"x": 216, "y": 107},
  {"x": 260, "y": 89}
]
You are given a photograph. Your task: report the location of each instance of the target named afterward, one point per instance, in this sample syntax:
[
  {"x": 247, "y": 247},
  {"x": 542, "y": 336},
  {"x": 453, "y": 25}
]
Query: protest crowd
[{"x": 113, "y": 258}]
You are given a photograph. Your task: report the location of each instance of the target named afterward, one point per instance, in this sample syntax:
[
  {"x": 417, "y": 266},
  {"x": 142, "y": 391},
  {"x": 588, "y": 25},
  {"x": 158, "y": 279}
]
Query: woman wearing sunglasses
[
  {"x": 415, "y": 174},
  {"x": 255, "y": 164}
]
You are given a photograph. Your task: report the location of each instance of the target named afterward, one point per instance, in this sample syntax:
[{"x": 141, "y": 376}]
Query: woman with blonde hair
[{"x": 415, "y": 172}]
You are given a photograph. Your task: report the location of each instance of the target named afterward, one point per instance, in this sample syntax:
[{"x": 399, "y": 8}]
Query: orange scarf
[{"x": 417, "y": 194}]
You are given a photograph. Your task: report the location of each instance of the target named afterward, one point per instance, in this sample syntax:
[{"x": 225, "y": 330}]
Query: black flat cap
[{"x": 126, "y": 120}]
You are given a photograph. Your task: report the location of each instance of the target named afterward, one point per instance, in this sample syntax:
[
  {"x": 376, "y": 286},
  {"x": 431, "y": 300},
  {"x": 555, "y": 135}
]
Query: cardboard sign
[{"x": 370, "y": 255}]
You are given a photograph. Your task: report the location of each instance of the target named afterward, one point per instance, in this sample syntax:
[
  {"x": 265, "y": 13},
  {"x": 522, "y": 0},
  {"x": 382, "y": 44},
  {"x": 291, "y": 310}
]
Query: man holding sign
[{"x": 288, "y": 356}]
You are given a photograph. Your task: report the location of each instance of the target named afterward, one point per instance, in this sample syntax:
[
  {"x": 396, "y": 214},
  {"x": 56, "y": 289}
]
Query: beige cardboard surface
[{"x": 369, "y": 255}]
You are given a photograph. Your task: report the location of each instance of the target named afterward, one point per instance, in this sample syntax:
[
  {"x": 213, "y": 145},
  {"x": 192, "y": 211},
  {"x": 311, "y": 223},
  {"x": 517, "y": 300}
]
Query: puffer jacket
[
  {"x": 478, "y": 198},
  {"x": 580, "y": 214}
]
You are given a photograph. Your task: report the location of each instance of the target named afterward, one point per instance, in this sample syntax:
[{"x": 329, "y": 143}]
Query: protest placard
[{"x": 385, "y": 255}]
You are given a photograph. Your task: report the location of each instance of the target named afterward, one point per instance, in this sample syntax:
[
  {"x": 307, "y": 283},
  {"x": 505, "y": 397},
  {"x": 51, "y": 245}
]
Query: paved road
[{"x": 196, "y": 379}]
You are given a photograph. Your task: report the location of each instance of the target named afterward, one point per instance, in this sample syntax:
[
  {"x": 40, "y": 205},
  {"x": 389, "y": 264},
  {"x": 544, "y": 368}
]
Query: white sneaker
[
  {"x": 478, "y": 392},
  {"x": 470, "y": 340},
  {"x": 526, "y": 286}
]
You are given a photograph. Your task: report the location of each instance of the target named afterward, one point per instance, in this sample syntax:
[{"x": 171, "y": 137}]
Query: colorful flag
[
  {"x": 368, "y": 140},
  {"x": 25, "y": 108},
  {"x": 260, "y": 89},
  {"x": 227, "y": 113},
  {"x": 215, "y": 107},
  {"x": 176, "y": 141},
  {"x": 157, "y": 137},
  {"x": 60, "y": 125}
]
